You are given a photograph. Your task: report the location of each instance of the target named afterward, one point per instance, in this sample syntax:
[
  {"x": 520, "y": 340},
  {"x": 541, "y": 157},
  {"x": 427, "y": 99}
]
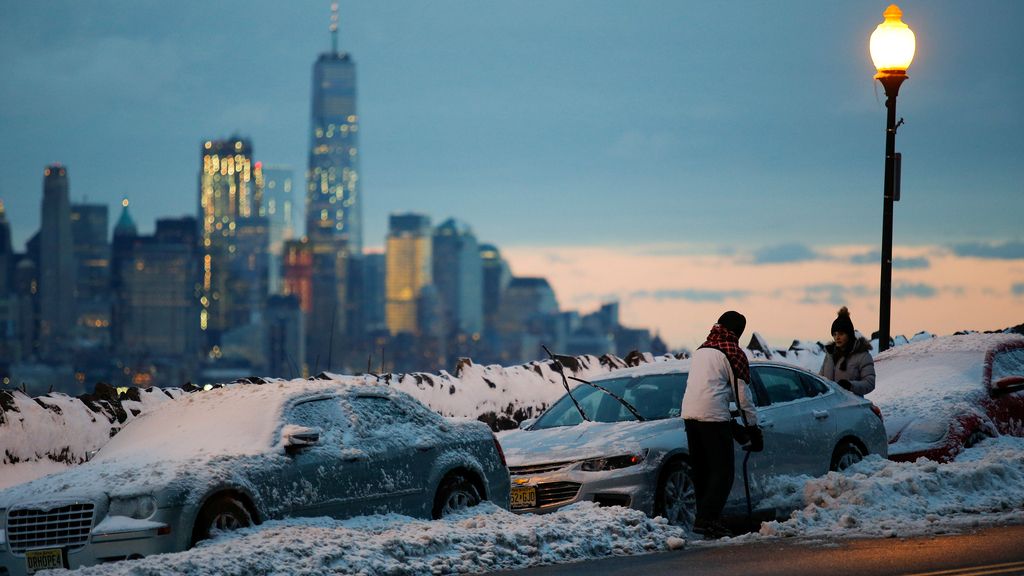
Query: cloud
[
  {"x": 996, "y": 250},
  {"x": 1017, "y": 289},
  {"x": 691, "y": 294},
  {"x": 916, "y": 263},
  {"x": 786, "y": 254},
  {"x": 836, "y": 294},
  {"x": 914, "y": 291}
]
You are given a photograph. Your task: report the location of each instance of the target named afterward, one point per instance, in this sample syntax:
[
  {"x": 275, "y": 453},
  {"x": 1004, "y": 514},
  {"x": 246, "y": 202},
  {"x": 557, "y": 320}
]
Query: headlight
[
  {"x": 613, "y": 462},
  {"x": 138, "y": 507}
]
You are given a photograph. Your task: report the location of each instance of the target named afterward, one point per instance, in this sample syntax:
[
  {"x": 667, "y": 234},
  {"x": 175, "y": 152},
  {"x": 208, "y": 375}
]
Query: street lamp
[{"x": 892, "y": 50}]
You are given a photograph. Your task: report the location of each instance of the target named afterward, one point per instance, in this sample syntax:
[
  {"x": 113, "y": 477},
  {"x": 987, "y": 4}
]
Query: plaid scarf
[{"x": 723, "y": 340}]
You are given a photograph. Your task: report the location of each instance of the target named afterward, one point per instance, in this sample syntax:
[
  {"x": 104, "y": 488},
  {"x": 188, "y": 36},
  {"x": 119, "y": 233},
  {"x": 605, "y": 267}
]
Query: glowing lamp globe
[{"x": 892, "y": 44}]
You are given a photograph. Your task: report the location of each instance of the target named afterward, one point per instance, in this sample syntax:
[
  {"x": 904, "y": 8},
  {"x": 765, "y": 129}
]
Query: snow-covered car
[
  {"x": 242, "y": 454},
  {"x": 945, "y": 394},
  {"x": 810, "y": 425}
]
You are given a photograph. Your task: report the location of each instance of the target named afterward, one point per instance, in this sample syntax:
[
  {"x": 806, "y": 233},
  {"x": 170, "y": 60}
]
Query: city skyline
[{"x": 601, "y": 126}]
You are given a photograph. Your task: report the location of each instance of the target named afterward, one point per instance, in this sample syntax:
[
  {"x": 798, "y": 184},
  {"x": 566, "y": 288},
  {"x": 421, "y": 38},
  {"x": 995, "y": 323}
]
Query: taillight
[
  {"x": 877, "y": 411},
  {"x": 501, "y": 453}
]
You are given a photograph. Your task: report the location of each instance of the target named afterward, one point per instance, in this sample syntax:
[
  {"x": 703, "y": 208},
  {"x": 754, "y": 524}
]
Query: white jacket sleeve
[{"x": 746, "y": 403}]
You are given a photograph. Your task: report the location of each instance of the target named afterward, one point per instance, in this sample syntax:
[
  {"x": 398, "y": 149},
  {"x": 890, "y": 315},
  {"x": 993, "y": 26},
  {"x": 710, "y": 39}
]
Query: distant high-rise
[
  {"x": 230, "y": 192},
  {"x": 333, "y": 203},
  {"x": 279, "y": 209},
  {"x": 10, "y": 344},
  {"x": 334, "y": 211},
  {"x": 408, "y": 269},
  {"x": 92, "y": 273},
  {"x": 56, "y": 267},
  {"x": 284, "y": 346},
  {"x": 496, "y": 276},
  {"x": 527, "y": 319},
  {"x": 6, "y": 255},
  {"x": 156, "y": 321},
  {"x": 458, "y": 276},
  {"x": 374, "y": 281}
]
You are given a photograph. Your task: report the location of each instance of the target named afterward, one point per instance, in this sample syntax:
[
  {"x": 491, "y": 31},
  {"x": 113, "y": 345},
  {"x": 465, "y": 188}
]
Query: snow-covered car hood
[
  {"x": 172, "y": 481},
  {"x": 583, "y": 441}
]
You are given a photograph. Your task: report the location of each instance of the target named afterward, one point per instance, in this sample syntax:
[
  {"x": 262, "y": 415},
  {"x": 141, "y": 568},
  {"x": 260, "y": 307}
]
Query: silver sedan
[
  {"x": 242, "y": 454},
  {"x": 626, "y": 445}
]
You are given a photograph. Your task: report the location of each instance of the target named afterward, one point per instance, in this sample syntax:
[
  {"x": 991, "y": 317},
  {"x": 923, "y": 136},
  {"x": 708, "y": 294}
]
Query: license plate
[
  {"x": 48, "y": 559},
  {"x": 523, "y": 497}
]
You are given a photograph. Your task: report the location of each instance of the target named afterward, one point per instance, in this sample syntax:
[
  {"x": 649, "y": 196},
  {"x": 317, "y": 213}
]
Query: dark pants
[{"x": 711, "y": 457}]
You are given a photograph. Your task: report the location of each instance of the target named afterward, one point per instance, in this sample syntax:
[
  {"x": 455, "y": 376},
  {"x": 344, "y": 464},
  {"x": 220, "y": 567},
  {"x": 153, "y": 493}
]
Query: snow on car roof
[
  {"x": 237, "y": 419},
  {"x": 962, "y": 343},
  {"x": 932, "y": 376},
  {"x": 665, "y": 367}
]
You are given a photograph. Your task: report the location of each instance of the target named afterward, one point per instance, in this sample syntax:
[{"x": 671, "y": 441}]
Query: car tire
[
  {"x": 455, "y": 493},
  {"x": 846, "y": 454},
  {"x": 676, "y": 498},
  {"x": 220, "y": 513}
]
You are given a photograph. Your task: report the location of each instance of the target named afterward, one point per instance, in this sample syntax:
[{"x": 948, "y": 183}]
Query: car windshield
[{"x": 655, "y": 397}]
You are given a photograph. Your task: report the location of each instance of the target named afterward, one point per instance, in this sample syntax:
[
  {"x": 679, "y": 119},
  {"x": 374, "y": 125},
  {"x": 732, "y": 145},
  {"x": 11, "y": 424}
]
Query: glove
[
  {"x": 845, "y": 384},
  {"x": 739, "y": 433},
  {"x": 756, "y": 443}
]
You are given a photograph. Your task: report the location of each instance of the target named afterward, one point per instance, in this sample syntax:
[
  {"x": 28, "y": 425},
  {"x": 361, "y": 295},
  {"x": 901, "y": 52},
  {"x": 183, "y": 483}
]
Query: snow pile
[
  {"x": 878, "y": 497},
  {"x": 501, "y": 396},
  {"x": 64, "y": 429},
  {"x": 483, "y": 539}
]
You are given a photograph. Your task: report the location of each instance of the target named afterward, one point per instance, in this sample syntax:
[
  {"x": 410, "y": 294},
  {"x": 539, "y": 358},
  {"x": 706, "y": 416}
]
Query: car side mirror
[
  {"x": 297, "y": 438},
  {"x": 525, "y": 424},
  {"x": 1008, "y": 385}
]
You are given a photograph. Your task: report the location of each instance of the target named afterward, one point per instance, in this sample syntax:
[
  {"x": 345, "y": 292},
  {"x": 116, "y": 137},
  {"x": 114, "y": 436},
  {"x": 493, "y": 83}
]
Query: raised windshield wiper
[
  {"x": 558, "y": 366},
  {"x": 612, "y": 394},
  {"x": 597, "y": 386}
]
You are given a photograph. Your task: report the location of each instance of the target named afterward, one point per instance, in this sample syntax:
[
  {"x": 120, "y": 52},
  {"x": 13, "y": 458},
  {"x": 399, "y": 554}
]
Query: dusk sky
[{"x": 680, "y": 157}]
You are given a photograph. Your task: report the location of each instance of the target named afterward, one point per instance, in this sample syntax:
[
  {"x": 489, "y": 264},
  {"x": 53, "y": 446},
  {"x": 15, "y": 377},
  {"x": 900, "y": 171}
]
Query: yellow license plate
[
  {"x": 523, "y": 497},
  {"x": 48, "y": 559}
]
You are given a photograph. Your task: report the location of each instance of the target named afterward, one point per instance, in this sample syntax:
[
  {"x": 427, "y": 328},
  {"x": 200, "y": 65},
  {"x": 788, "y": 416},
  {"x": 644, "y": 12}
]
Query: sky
[{"x": 740, "y": 130}]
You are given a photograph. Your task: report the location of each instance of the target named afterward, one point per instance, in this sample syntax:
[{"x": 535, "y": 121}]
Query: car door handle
[
  {"x": 424, "y": 447},
  {"x": 820, "y": 414},
  {"x": 765, "y": 423}
]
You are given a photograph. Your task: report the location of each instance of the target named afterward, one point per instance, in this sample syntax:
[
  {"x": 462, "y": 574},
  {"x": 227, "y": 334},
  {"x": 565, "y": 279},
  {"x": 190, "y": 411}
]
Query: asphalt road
[{"x": 988, "y": 551}]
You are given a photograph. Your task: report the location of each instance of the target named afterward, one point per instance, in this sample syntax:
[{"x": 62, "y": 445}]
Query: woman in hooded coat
[{"x": 848, "y": 358}]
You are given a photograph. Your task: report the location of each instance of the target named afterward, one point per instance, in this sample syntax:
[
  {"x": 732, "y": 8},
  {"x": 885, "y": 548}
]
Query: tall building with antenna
[
  {"x": 335, "y": 323},
  {"x": 333, "y": 204}
]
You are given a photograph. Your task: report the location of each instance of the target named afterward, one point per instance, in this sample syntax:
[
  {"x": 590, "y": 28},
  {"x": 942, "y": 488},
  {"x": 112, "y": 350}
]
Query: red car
[{"x": 942, "y": 395}]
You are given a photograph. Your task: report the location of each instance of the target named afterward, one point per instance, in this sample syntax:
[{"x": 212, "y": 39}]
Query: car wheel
[
  {"x": 221, "y": 513},
  {"x": 846, "y": 454},
  {"x": 676, "y": 499},
  {"x": 455, "y": 493}
]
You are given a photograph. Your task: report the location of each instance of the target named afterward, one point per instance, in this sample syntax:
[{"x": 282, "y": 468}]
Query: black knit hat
[
  {"x": 842, "y": 323},
  {"x": 733, "y": 321}
]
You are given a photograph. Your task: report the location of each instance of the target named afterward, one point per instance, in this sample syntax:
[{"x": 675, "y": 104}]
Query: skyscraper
[
  {"x": 6, "y": 255},
  {"x": 92, "y": 274},
  {"x": 230, "y": 193},
  {"x": 157, "y": 331},
  {"x": 496, "y": 276},
  {"x": 279, "y": 209},
  {"x": 333, "y": 211},
  {"x": 458, "y": 276},
  {"x": 333, "y": 205},
  {"x": 56, "y": 267},
  {"x": 408, "y": 270}
]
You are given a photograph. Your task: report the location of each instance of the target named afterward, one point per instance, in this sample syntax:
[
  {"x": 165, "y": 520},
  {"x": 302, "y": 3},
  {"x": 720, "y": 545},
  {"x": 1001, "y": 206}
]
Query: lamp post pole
[
  {"x": 892, "y": 47},
  {"x": 891, "y": 82}
]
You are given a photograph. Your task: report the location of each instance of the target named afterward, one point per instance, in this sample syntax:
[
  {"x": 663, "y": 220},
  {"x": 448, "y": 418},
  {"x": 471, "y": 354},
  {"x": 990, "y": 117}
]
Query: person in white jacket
[{"x": 717, "y": 368}]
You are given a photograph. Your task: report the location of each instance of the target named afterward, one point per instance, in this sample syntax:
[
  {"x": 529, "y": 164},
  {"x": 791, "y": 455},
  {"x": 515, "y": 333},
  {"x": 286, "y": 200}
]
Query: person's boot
[{"x": 710, "y": 529}]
